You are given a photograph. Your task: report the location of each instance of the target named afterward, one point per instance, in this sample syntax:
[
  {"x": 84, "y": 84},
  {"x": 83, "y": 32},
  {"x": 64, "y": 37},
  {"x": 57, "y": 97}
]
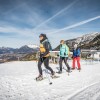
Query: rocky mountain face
[
  {"x": 88, "y": 41},
  {"x": 93, "y": 44}
]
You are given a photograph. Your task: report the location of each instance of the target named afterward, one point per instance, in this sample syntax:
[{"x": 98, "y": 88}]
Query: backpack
[
  {"x": 49, "y": 44},
  {"x": 68, "y": 50},
  {"x": 50, "y": 47}
]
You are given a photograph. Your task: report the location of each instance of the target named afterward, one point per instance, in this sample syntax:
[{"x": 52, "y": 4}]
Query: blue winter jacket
[
  {"x": 76, "y": 52},
  {"x": 64, "y": 50}
]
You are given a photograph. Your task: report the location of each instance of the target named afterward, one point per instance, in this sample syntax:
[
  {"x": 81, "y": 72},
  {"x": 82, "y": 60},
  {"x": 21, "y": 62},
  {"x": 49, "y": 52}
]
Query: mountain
[
  {"x": 93, "y": 44},
  {"x": 26, "y": 52},
  {"x": 26, "y": 49},
  {"x": 4, "y": 50},
  {"x": 23, "y": 49},
  {"x": 88, "y": 41}
]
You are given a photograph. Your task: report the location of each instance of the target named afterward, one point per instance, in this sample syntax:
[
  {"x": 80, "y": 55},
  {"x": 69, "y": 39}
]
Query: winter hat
[{"x": 43, "y": 35}]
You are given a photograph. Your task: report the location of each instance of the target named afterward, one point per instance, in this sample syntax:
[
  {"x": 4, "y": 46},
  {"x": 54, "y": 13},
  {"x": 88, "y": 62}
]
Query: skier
[
  {"x": 64, "y": 52},
  {"x": 76, "y": 57},
  {"x": 44, "y": 56}
]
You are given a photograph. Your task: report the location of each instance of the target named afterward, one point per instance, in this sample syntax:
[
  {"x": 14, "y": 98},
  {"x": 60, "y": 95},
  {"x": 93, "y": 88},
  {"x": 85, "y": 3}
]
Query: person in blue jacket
[
  {"x": 64, "y": 52},
  {"x": 76, "y": 57}
]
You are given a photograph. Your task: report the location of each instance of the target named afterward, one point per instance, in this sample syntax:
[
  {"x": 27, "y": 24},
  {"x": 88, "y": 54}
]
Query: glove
[
  {"x": 64, "y": 54},
  {"x": 41, "y": 55},
  {"x": 77, "y": 55},
  {"x": 57, "y": 55},
  {"x": 72, "y": 57}
]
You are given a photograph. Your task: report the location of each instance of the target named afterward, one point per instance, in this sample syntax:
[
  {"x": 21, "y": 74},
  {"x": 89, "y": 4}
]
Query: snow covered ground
[{"x": 17, "y": 82}]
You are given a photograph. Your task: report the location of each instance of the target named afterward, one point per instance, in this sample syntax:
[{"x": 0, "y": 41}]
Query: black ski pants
[
  {"x": 65, "y": 61},
  {"x": 44, "y": 60}
]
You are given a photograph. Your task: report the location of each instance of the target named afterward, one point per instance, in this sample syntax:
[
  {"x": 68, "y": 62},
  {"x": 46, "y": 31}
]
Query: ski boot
[
  {"x": 59, "y": 72},
  {"x": 54, "y": 76},
  {"x": 69, "y": 71},
  {"x": 73, "y": 68},
  {"x": 39, "y": 78},
  {"x": 79, "y": 69}
]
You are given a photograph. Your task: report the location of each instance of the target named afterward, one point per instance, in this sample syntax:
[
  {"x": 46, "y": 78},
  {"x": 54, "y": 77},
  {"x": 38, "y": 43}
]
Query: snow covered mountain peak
[
  {"x": 34, "y": 46},
  {"x": 89, "y": 37},
  {"x": 86, "y": 38},
  {"x": 85, "y": 41}
]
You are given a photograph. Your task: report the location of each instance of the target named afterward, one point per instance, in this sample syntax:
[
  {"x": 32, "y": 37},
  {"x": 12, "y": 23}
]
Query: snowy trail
[
  {"x": 92, "y": 92},
  {"x": 17, "y": 83}
]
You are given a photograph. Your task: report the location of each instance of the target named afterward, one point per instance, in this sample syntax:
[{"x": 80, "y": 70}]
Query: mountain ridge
[{"x": 84, "y": 41}]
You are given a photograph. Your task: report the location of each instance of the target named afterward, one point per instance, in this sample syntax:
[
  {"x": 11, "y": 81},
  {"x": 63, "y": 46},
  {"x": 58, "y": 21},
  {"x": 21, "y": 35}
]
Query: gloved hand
[
  {"x": 41, "y": 55},
  {"x": 72, "y": 57},
  {"x": 64, "y": 54},
  {"x": 77, "y": 55},
  {"x": 57, "y": 55}
]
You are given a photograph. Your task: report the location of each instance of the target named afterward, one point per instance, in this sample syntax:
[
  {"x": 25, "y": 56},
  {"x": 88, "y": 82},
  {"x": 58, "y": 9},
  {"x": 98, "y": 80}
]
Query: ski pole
[
  {"x": 65, "y": 69},
  {"x": 46, "y": 71},
  {"x": 37, "y": 58}
]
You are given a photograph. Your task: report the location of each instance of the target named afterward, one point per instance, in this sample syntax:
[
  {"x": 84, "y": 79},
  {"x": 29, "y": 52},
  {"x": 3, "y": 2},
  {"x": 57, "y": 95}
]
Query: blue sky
[{"x": 21, "y": 21}]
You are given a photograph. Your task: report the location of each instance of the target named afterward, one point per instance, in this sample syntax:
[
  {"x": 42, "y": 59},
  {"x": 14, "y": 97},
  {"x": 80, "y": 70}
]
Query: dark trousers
[
  {"x": 46, "y": 64},
  {"x": 65, "y": 61}
]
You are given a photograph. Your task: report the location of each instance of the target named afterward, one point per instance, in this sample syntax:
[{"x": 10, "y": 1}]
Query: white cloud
[
  {"x": 9, "y": 29},
  {"x": 54, "y": 16},
  {"x": 77, "y": 24}
]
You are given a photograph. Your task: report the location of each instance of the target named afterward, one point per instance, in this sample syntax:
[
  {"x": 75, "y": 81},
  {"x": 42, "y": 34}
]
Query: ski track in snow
[
  {"x": 91, "y": 92},
  {"x": 17, "y": 83}
]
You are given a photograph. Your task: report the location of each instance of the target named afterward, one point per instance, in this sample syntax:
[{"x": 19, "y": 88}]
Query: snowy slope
[
  {"x": 33, "y": 46},
  {"x": 89, "y": 37},
  {"x": 17, "y": 83},
  {"x": 83, "y": 40},
  {"x": 86, "y": 38}
]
